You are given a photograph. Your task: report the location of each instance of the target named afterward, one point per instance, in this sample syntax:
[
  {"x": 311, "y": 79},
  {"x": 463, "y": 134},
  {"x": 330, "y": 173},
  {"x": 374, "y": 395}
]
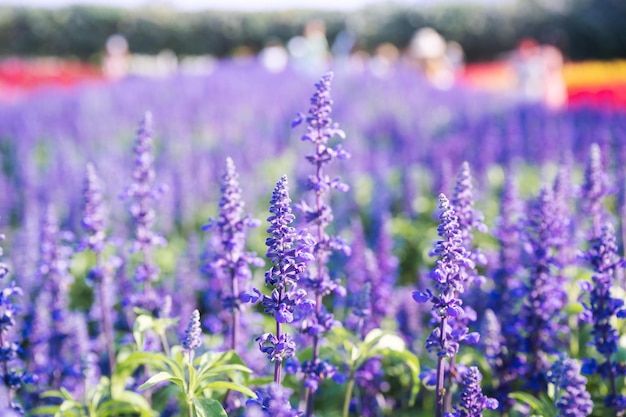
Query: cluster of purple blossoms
[
  {"x": 289, "y": 252},
  {"x": 320, "y": 131},
  {"x": 600, "y": 309},
  {"x": 273, "y": 402},
  {"x": 193, "y": 333},
  {"x": 594, "y": 189},
  {"x": 450, "y": 275},
  {"x": 94, "y": 224},
  {"x": 473, "y": 402},
  {"x": 144, "y": 193},
  {"x": 13, "y": 379},
  {"x": 572, "y": 398},
  {"x": 231, "y": 262},
  {"x": 541, "y": 322}
]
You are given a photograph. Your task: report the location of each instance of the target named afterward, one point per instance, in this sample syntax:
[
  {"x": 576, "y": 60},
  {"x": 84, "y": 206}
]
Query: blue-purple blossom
[
  {"x": 289, "y": 253},
  {"x": 100, "y": 274},
  {"x": 601, "y": 308},
  {"x": 572, "y": 398},
  {"x": 13, "y": 378},
  {"x": 94, "y": 214},
  {"x": 143, "y": 193},
  {"x": 595, "y": 188},
  {"x": 449, "y": 275},
  {"x": 272, "y": 402},
  {"x": 541, "y": 322},
  {"x": 231, "y": 261},
  {"x": 473, "y": 402},
  {"x": 193, "y": 334}
]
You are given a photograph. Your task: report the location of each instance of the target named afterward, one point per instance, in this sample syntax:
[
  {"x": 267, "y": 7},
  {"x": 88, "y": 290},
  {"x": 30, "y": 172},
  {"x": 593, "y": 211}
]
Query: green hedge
[{"x": 584, "y": 29}]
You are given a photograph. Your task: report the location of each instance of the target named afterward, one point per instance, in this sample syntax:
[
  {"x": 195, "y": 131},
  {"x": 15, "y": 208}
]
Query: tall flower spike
[
  {"x": 449, "y": 276},
  {"x": 289, "y": 253},
  {"x": 542, "y": 329},
  {"x": 193, "y": 333},
  {"x": 473, "y": 402},
  {"x": 144, "y": 193},
  {"x": 601, "y": 308},
  {"x": 12, "y": 377},
  {"x": 231, "y": 259},
  {"x": 572, "y": 398},
  {"x": 594, "y": 188},
  {"x": 95, "y": 239},
  {"x": 94, "y": 215},
  {"x": 320, "y": 131}
]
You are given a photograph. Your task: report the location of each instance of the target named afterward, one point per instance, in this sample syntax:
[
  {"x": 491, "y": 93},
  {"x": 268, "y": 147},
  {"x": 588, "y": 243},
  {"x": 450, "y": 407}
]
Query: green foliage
[
  {"x": 102, "y": 401},
  {"x": 585, "y": 29}
]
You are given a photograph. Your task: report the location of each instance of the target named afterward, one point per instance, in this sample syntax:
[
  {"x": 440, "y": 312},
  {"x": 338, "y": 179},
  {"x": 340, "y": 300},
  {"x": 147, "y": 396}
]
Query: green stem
[
  {"x": 346, "y": 401},
  {"x": 166, "y": 346}
]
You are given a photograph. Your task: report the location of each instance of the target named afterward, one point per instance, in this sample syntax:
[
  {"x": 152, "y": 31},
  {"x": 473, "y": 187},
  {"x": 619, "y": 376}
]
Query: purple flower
[
  {"x": 473, "y": 402},
  {"x": 273, "y": 402},
  {"x": 143, "y": 193},
  {"x": 289, "y": 253},
  {"x": 94, "y": 215},
  {"x": 541, "y": 322},
  {"x": 193, "y": 333},
  {"x": 231, "y": 259},
  {"x": 13, "y": 378},
  {"x": 601, "y": 308},
  {"x": 572, "y": 398},
  {"x": 450, "y": 275},
  {"x": 595, "y": 188}
]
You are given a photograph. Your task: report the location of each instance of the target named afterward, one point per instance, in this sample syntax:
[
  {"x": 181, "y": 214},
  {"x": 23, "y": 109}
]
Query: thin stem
[
  {"x": 320, "y": 277},
  {"x": 440, "y": 390},
  {"x": 348, "y": 397},
  {"x": 166, "y": 345},
  {"x": 106, "y": 318},
  {"x": 279, "y": 363},
  {"x": 235, "y": 329}
]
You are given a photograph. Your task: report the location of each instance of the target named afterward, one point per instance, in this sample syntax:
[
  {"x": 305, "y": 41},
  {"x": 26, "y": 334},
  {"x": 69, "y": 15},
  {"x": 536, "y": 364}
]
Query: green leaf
[
  {"x": 228, "y": 385},
  {"x": 208, "y": 407},
  {"x": 44, "y": 410},
  {"x": 143, "y": 322},
  {"x": 162, "y": 377},
  {"x": 412, "y": 362},
  {"x": 539, "y": 406}
]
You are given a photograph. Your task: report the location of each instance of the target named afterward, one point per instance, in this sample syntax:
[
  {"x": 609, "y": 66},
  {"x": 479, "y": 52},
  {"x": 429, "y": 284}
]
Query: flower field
[{"x": 254, "y": 244}]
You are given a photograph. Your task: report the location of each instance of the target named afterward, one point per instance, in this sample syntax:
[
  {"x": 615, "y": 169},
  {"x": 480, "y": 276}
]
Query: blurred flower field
[{"x": 417, "y": 252}]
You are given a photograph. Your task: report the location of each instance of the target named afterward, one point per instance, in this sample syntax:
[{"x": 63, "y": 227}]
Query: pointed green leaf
[
  {"x": 412, "y": 362},
  {"x": 162, "y": 377},
  {"x": 535, "y": 403},
  {"x": 208, "y": 407},
  {"x": 228, "y": 385}
]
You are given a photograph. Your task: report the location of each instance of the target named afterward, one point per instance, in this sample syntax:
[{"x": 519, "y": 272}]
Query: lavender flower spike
[
  {"x": 144, "y": 193},
  {"x": 320, "y": 130},
  {"x": 232, "y": 259},
  {"x": 95, "y": 239},
  {"x": 449, "y": 275},
  {"x": 594, "y": 187},
  {"x": 289, "y": 253},
  {"x": 12, "y": 378},
  {"x": 572, "y": 398},
  {"x": 473, "y": 402},
  {"x": 193, "y": 333},
  {"x": 601, "y": 308}
]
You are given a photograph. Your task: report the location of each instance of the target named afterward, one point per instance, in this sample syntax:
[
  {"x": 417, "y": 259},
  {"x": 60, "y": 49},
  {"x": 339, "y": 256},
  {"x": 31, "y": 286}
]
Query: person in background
[
  {"x": 116, "y": 62},
  {"x": 309, "y": 53}
]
